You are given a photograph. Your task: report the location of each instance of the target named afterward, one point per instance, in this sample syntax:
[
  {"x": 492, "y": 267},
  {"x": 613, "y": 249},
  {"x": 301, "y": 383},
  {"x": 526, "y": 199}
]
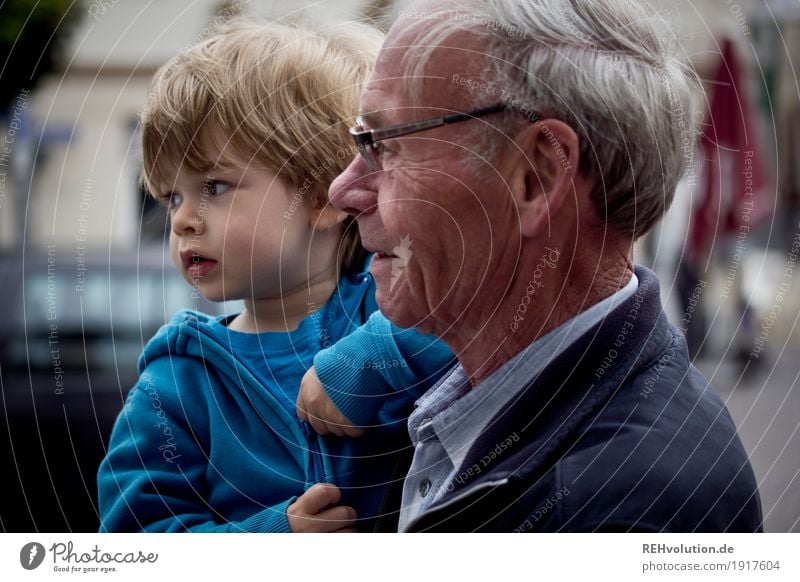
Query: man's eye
[{"x": 215, "y": 188}]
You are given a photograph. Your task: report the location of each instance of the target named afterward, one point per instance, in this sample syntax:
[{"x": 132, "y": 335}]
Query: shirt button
[{"x": 424, "y": 487}]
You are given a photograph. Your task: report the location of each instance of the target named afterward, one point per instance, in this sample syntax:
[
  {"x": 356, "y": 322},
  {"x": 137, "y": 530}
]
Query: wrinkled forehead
[{"x": 423, "y": 64}]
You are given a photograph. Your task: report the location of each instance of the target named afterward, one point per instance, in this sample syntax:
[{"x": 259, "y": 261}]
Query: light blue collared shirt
[{"x": 449, "y": 417}]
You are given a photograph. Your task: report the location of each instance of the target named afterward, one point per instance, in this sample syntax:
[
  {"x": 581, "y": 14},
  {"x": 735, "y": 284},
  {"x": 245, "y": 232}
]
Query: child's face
[{"x": 240, "y": 233}]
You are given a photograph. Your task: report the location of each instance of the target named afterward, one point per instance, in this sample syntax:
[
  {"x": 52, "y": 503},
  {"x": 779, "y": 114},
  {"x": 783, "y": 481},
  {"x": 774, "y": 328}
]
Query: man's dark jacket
[{"x": 617, "y": 433}]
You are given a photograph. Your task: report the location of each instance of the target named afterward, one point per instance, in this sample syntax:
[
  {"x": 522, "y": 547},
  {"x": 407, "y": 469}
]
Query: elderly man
[{"x": 511, "y": 153}]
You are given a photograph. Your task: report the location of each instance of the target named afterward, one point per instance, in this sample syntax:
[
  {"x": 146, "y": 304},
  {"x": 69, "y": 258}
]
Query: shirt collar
[{"x": 459, "y": 414}]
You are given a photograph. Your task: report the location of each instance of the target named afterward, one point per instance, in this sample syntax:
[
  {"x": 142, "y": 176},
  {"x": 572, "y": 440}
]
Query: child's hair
[{"x": 279, "y": 96}]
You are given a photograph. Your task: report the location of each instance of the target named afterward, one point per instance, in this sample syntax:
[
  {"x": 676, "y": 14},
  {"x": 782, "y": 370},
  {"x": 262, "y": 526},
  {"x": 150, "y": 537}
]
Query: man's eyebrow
[{"x": 374, "y": 119}]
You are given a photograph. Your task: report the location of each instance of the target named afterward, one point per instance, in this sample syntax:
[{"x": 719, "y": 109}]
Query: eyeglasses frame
[{"x": 366, "y": 139}]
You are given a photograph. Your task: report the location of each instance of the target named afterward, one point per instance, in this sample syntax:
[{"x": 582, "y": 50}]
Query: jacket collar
[{"x": 522, "y": 440}]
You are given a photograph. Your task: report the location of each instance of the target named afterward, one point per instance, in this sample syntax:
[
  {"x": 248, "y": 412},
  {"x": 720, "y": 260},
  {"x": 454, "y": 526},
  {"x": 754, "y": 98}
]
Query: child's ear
[{"x": 323, "y": 219}]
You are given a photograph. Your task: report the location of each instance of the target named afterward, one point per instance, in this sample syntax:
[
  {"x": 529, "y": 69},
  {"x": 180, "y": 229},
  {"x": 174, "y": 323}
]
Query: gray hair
[{"x": 612, "y": 70}]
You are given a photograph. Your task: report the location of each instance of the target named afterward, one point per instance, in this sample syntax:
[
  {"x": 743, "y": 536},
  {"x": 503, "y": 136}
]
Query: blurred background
[{"x": 86, "y": 279}]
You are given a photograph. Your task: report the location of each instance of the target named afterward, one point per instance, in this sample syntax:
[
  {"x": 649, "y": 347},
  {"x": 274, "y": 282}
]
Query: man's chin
[{"x": 400, "y": 309}]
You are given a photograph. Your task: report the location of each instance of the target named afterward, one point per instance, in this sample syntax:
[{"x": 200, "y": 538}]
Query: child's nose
[{"x": 187, "y": 218}]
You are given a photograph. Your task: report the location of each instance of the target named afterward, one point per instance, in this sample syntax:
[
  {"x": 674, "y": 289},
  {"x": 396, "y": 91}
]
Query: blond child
[{"x": 242, "y": 135}]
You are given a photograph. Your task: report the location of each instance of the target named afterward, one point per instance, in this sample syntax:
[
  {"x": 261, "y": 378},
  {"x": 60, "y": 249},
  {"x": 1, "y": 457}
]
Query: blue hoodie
[{"x": 208, "y": 439}]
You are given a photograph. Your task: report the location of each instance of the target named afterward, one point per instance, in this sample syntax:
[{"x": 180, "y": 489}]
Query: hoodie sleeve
[
  {"x": 153, "y": 476},
  {"x": 380, "y": 363}
]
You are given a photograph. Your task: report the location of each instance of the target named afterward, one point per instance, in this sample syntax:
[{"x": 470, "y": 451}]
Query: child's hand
[
  {"x": 314, "y": 406},
  {"x": 305, "y": 515}
]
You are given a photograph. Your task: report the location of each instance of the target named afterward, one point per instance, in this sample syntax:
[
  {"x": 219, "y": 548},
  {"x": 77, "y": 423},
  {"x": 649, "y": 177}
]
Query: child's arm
[
  {"x": 379, "y": 362},
  {"x": 153, "y": 477}
]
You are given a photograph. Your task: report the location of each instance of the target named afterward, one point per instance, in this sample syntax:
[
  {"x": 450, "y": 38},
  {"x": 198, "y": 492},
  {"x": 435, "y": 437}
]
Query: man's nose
[{"x": 354, "y": 191}]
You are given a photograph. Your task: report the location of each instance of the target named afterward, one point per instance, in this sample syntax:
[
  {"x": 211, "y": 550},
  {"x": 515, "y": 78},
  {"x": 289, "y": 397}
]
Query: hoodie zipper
[
  {"x": 312, "y": 438},
  {"x": 317, "y": 469}
]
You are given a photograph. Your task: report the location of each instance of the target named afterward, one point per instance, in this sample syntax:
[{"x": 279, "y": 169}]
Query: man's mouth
[{"x": 378, "y": 250}]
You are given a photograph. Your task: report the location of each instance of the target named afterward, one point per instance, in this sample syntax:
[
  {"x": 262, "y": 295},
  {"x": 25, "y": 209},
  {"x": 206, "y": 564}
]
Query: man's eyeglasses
[{"x": 367, "y": 139}]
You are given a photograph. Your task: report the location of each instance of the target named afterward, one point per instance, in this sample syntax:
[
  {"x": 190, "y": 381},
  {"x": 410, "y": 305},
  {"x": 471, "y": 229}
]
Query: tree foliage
[{"x": 32, "y": 33}]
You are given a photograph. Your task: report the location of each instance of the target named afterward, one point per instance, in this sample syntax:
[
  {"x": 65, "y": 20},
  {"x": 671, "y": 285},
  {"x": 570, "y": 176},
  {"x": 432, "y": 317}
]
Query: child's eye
[
  {"x": 171, "y": 200},
  {"x": 215, "y": 187}
]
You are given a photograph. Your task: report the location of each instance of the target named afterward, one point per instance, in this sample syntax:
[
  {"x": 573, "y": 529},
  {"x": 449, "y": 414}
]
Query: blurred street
[{"x": 763, "y": 394}]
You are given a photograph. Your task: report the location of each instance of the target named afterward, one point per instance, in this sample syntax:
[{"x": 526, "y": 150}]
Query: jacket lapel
[{"x": 523, "y": 442}]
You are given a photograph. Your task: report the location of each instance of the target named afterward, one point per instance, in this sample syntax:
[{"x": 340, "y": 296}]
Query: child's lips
[
  {"x": 201, "y": 268},
  {"x": 197, "y": 265}
]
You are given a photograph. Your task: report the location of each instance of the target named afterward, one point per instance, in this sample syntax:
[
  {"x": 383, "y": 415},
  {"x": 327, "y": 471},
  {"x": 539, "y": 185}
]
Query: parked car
[{"x": 73, "y": 330}]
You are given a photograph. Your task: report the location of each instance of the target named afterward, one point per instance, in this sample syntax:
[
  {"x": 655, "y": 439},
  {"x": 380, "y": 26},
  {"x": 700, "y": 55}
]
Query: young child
[{"x": 242, "y": 135}]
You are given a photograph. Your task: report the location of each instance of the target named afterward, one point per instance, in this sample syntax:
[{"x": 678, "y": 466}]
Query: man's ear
[
  {"x": 548, "y": 164},
  {"x": 323, "y": 219}
]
